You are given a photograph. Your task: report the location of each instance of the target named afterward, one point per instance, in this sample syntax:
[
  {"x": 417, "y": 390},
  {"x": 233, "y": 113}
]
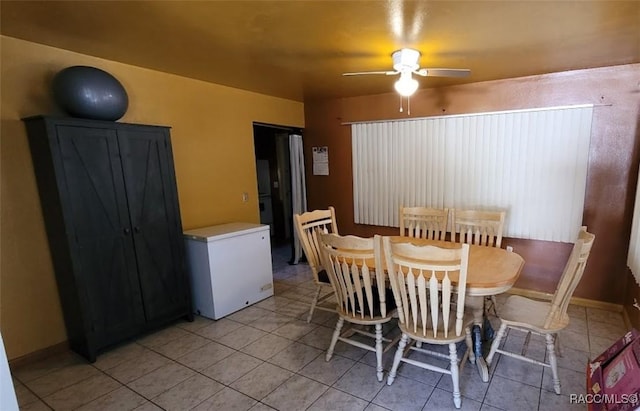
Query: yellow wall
[{"x": 212, "y": 138}]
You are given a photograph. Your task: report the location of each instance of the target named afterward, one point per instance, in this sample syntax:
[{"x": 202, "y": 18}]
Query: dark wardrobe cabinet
[{"x": 110, "y": 205}]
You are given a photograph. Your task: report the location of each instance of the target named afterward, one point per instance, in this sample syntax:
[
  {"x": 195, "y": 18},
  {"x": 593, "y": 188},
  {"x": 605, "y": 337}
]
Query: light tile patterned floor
[{"x": 267, "y": 357}]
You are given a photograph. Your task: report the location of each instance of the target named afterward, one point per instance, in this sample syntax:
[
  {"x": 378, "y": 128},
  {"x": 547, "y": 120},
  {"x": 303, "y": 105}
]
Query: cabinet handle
[
  {"x": 136, "y": 229},
  {"x": 127, "y": 231}
]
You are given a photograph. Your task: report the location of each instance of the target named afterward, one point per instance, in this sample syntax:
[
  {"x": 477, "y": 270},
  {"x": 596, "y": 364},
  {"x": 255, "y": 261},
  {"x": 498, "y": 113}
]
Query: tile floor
[{"x": 267, "y": 357}]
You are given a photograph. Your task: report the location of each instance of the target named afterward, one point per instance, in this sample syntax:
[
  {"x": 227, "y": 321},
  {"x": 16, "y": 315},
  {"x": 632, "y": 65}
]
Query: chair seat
[
  {"x": 467, "y": 321},
  {"x": 323, "y": 277},
  {"x": 527, "y": 313}
]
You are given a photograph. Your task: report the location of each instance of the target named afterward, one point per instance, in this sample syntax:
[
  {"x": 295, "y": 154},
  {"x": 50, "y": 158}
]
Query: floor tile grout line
[
  {"x": 308, "y": 377},
  {"x": 180, "y": 382},
  {"x": 38, "y": 398},
  {"x": 298, "y": 339},
  {"x": 43, "y": 398},
  {"x": 72, "y": 353},
  {"x": 226, "y": 385},
  {"x": 171, "y": 360},
  {"x": 77, "y": 383}
]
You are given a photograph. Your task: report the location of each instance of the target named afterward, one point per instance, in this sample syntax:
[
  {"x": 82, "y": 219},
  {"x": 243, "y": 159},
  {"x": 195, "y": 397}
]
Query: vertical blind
[
  {"x": 531, "y": 163},
  {"x": 633, "y": 258}
]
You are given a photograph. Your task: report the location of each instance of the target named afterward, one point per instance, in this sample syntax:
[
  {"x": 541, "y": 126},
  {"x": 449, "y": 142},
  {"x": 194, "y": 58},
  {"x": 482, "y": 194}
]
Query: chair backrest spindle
[
  {"x": 353, "y": 269},
  {"x": 429, "y": 284},
  {"x": 478, "y": 227},
  {"x": 424, "y": 222}
]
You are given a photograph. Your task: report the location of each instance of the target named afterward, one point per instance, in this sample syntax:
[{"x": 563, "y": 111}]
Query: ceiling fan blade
[
  {"x": 443, "y": 72},
  {"x": 358, "y": 73}
]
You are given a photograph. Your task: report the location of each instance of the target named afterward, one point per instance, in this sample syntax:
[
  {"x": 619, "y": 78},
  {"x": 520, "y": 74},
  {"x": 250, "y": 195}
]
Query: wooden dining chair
[
  {"x": 429, "y": 285},
  {"x": 544, "y": 317},
  {"x": 424, "y": 222},
  {"x": 479, "y": 228},
  {"x": 309, "y": 225},
  {"x": 358, "y": 279}
]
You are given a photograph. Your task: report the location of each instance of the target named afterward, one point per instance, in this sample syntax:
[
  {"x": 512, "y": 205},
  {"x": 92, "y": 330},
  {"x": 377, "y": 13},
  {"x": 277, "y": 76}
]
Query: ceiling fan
[{"x": 405, "y": 63}]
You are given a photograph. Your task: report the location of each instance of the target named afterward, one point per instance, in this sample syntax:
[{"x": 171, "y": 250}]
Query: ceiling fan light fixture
[
  {"x": 406, "y": 63},
  {"x": 406, "y": 85},
  {"x": 405, "y": 60}
]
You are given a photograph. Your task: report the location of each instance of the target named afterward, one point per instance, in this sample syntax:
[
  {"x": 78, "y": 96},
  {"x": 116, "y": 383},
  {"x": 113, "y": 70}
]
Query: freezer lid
[{"x": 218, "y": 232}]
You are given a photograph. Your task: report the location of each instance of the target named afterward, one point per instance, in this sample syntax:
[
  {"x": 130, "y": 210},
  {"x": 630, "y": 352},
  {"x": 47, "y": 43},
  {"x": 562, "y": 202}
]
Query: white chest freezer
[{"x": 230, "y": 267}]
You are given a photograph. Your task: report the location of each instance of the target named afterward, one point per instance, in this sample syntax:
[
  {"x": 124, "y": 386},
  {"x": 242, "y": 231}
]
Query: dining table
[{"x": 490, "y": 271}]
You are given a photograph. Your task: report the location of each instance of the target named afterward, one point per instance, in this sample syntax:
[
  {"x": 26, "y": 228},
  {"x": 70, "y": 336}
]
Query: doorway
[{"x": 273, "y": 168}]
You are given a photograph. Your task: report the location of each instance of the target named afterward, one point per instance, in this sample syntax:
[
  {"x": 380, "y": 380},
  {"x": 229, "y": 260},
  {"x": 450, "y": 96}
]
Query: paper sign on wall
[{"x": 320, "y": 161}]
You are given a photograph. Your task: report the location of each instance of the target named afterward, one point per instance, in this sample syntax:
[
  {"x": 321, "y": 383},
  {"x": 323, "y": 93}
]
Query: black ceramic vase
[{"x": 89, "y": 92}]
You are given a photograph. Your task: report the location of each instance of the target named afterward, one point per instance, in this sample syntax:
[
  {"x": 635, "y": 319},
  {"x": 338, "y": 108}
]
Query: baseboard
[
  {"x": 584, "y": 302},
  {"x": 40, "y": 355}
]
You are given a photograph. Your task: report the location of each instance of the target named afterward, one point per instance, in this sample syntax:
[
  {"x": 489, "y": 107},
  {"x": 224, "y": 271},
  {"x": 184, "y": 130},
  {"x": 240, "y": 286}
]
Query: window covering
[{"x": 532, "y": 163}]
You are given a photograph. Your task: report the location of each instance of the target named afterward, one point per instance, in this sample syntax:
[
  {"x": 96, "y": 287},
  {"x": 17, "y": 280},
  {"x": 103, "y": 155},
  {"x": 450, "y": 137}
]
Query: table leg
[{"x": 477, "y": 307}]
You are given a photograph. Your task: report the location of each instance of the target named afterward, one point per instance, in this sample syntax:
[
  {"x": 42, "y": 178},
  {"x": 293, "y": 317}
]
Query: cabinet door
[
  {"x": 155, "y": 217},
  {"x": 94, "y": 205}
]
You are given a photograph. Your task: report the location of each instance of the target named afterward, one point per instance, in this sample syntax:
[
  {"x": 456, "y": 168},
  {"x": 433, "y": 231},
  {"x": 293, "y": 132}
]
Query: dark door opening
[{"x": 271, "y": 144}]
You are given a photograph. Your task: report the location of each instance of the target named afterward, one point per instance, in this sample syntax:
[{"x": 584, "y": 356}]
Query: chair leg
[
  {"x": 496, "y": 342},
  {"x": 494, "y": 303},
  {"x": 334, "y": 338},
  {"x": 469, "y": 341},
  {"x": 455, "y": 375},
  {"x": 313, "y": 303},
  {"x": 379, "y": 351},
  {"x": 396, "y": 359},
  {"x": 525, "y": 346},
  {"x": 556, "y": 338},
  {"x": 553, "y": 362}
]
